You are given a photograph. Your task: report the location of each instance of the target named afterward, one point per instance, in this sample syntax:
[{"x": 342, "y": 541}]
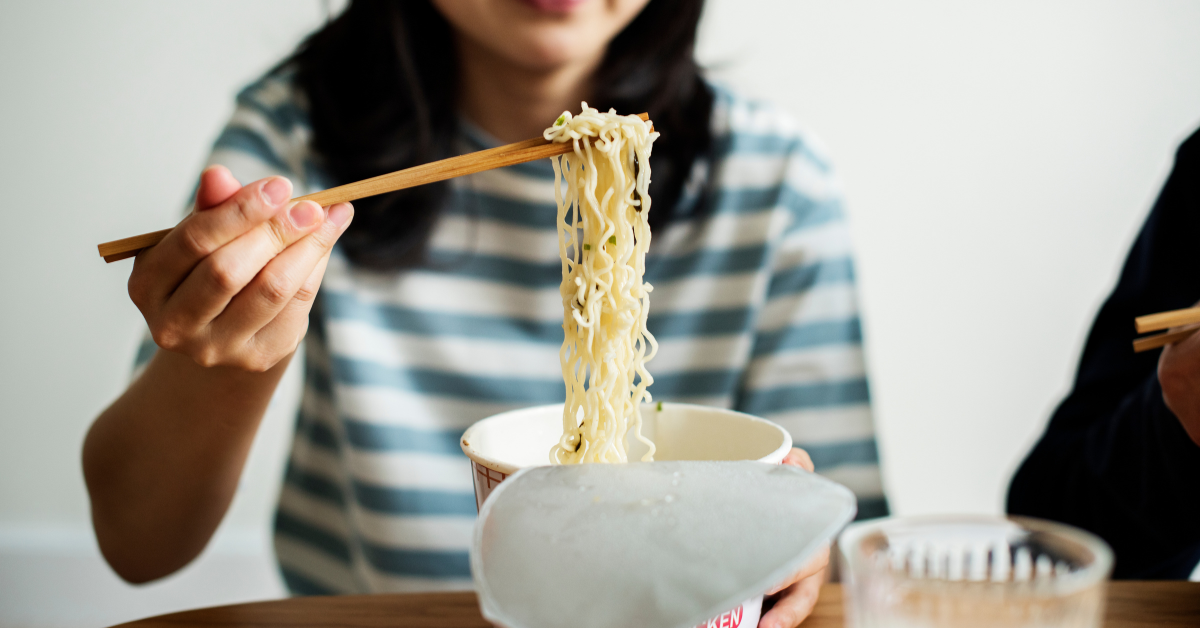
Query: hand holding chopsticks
[
  {"x": 1187, "y": 319},
  {"x": 508, "y": 155}
]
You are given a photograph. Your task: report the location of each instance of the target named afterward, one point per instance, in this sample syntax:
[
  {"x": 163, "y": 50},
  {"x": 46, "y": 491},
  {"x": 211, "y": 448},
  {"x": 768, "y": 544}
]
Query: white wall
[{"x": 998, "y": 158}]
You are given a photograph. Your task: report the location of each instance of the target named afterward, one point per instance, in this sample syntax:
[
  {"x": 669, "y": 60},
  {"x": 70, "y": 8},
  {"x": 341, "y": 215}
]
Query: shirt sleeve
[
  {"x": 807, "y": 369},
  {"x": 267, "y": 135},
  {"x": 1114, "y": 459}
]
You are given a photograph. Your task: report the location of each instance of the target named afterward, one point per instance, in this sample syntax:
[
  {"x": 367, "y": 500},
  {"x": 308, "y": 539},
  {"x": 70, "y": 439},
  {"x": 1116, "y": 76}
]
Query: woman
[{"x": 439, "y": 306}]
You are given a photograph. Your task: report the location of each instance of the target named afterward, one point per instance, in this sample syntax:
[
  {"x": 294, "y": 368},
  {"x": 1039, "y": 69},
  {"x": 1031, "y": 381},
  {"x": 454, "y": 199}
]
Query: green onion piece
[
  {"x": 612, "y": 239},
  {"x": 587, "y": 247},
  {"x": 660, "y": 406},
  {"x": 560, "y": 120}
]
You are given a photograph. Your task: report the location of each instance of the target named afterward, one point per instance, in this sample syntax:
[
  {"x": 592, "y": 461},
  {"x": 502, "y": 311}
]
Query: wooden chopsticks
[
  {"x": 508, "y": 155},
  {"x": 1187, "y": 319}
]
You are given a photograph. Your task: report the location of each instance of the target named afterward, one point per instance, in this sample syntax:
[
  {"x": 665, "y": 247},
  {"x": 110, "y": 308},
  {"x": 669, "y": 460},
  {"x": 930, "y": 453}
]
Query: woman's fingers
[
  {"x": 271, "y": 290},
  {"x": 214, "y": 282},
  {"x": 285, "y": 280},
  {"x": 162, "y": 268},
  {"x": 794, "y": 604},
  {"x": 799, "y": 458},
  {"x": 286, "y": 331},
  {"x": 245, "y": 261}
]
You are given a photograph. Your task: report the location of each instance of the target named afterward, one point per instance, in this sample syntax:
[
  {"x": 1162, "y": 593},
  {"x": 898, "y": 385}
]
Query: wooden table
[{"x": 1130, "y": 605}]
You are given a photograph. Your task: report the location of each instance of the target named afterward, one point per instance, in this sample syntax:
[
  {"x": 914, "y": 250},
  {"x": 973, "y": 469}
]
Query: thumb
[{"x": 216, "y": 186}]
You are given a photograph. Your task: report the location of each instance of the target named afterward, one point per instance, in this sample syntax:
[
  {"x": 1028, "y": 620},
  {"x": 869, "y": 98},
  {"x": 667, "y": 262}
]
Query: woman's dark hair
[{"x": 381, "y": 87}]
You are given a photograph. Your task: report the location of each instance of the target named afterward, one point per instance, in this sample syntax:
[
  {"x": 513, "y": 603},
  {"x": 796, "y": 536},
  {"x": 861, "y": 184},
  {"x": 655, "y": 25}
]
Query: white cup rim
[{"x": 507, "y": 468}]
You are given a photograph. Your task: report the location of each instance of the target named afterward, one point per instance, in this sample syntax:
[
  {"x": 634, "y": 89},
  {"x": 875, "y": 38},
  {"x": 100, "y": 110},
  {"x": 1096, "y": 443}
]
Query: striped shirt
[{"x": 754, "y": 308}]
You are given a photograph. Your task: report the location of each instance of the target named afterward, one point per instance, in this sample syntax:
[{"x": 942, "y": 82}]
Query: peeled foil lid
[{"x": 656, "y": 545}]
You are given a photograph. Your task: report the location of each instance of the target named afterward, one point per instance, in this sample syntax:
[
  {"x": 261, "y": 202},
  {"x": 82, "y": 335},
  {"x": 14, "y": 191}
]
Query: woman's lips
[{"x": 554, "y": 6}]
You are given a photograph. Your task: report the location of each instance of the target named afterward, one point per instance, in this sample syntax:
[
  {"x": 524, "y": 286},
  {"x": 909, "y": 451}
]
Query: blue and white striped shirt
[{"x": 754, "y": 308}]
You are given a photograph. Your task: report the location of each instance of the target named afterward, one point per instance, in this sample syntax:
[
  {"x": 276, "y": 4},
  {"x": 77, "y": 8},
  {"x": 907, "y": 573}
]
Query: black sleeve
[{"x": 1114, "y": 460}]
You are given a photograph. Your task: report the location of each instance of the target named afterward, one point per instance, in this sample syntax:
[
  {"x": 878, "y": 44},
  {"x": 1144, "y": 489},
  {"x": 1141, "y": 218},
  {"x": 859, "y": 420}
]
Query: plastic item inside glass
[{"x": 976, "y": 571}]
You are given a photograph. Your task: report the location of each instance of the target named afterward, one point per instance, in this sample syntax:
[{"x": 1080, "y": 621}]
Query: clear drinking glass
[{"x": 981, "y": 572}]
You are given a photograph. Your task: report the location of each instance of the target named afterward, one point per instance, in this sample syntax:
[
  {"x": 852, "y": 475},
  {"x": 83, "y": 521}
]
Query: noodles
[{"x": 603, "y": 235}]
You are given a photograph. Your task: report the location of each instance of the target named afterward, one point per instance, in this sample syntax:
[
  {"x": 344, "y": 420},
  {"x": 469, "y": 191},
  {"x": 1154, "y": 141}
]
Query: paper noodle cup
[{"x": 501, "y": 445}]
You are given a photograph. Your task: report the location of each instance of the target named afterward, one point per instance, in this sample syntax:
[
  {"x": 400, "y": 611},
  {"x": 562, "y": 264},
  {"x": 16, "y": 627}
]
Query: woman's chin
[{"x": 550, "y": 51}]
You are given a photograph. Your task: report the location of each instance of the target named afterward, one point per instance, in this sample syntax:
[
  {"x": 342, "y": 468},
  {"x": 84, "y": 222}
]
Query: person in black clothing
[{"x": 1121, "y": 455}]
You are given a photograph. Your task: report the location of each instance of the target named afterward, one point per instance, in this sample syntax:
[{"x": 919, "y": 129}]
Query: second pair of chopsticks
[
  {"x": 1188, "y": 319},
  {"x": 508, "y": 155}
]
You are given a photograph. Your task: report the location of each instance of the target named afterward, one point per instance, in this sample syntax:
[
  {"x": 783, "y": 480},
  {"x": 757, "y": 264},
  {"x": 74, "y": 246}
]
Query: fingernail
[
  {"x": 305, "y": 214},
  {"x": 276, "y": 191},
  {"x": 340, "y": 214}
]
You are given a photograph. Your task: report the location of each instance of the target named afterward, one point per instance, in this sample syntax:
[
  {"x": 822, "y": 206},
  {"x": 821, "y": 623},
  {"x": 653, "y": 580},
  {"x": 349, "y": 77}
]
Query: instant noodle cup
[{"x": 506, "y": 443}]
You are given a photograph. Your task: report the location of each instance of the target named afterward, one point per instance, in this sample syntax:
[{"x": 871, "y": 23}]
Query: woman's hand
[
  {"x": 231, "y": 286},
  {"x": 1179, "y": 375},
  {"x": 796, "y": 597},
  {"x": 233, "y": 283}
]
